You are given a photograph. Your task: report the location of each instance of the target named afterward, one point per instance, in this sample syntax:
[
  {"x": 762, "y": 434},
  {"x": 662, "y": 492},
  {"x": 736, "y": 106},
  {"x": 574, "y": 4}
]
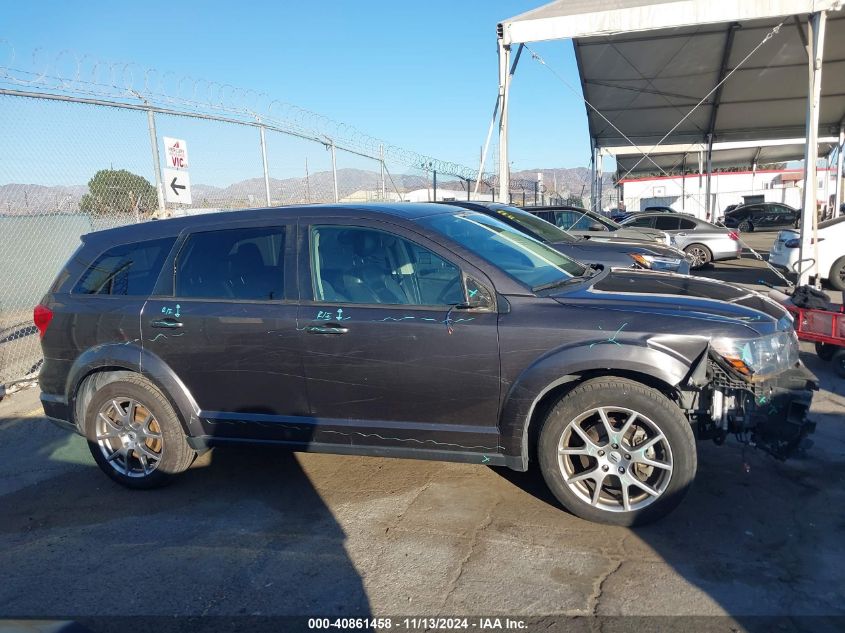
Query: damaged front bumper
[{"x": 770, "y": 414}]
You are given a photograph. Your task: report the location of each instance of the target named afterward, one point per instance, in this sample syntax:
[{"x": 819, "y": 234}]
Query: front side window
[
  {"x": 236, "y": 264},
  {"x": 362, "y": 265},
  {"x": 128, "y": 269},
  {"x": 529, "y": 261}
]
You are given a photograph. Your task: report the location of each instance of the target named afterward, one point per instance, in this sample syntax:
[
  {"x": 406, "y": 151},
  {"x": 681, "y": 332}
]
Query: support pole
[
  {"x": 599, "y": 180},
  {"x": 264, "y": 163},
  {"x": 684, "y": 184},
  {"x": 839, "y": 187},
  {"x": 504, "y": 89},
  {"x": 334, "y": 172},
  {"x": 707, "y": 204},
  {"x": 593, "y": 169},
  {"x": 815, "y": 53},
  {"x": 381, "y": 163},
  {"x": 434, "y": 182},
  {"x": 151, "y": 124}
]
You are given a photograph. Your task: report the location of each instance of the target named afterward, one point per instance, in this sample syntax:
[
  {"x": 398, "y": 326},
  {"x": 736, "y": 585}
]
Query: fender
[
  {"x": 655, "y": 359},
  {"x": 132, "y": 357}
]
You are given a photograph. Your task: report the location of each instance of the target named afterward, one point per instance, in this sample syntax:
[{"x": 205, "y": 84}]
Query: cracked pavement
[{"x": 267, "y": 532}]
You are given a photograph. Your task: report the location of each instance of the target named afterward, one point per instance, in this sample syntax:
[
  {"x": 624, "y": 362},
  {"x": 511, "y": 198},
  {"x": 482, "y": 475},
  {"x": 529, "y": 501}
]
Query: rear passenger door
[{"x": 225, "y": 322}]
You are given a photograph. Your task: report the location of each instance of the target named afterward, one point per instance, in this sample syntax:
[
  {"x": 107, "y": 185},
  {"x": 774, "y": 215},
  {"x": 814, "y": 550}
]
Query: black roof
[{"x": 172, "y": 226}]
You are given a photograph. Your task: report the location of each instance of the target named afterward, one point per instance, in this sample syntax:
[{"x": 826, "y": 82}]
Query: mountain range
[{"x": 24, "y": 199}]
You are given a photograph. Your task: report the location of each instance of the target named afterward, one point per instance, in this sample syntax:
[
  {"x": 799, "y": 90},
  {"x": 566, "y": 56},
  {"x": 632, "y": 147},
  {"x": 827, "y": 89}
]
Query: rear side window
[
  {"x": 687, "y": 224},
  {"x": 127, "y": 270},
  {"x": 667, "y": 223},
  {"x": 235, "y": 264}
]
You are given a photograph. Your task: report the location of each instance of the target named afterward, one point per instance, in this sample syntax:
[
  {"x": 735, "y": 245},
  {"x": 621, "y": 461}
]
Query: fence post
[
  {"x": 151, "y": 124},
  {"x": 381, "y": 164},
  {"x": 334, "y": 172},
  {"x": 434, "y": 171},
  {"x": 264, "y": 162}
]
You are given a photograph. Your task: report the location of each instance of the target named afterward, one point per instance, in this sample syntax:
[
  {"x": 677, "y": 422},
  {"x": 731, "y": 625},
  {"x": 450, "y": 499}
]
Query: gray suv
[{"x": 410, "y": 330}]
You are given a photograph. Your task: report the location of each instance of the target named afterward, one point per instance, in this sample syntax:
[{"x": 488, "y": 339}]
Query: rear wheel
[
  {"x": 839, "y": 362},
  {"x": 134, "y": 434},
  {"x": 825, "y": 351},
  {"x": 616, "y": 451},
  {"x": 745, "y": 227},
  {"x": 700, "y": 254},
  {"x": 836, "y": 277}
]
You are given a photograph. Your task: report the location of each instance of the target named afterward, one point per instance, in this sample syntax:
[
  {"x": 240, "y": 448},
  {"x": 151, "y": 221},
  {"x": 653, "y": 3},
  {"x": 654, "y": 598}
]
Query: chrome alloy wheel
[
  {"x": 699, "y": 256},
  {"x": 615, "y": 459},
  {"x": 129, "y": 437}
]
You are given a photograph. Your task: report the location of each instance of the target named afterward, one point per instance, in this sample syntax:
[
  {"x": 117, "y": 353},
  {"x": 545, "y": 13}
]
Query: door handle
[
  {"x": 326, "y": 329},
  {"x": 166, "y": 323}
]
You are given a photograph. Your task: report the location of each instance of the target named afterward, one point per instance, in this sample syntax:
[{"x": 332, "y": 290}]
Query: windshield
[
  {"x": 597, "y": 217},
  {"x": 545, "y": 231},
  {"x": 527, "y": 260}
]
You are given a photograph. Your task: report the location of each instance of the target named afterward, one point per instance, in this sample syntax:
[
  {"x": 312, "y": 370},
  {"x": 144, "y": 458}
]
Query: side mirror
[{"x": 595, "y": 226}]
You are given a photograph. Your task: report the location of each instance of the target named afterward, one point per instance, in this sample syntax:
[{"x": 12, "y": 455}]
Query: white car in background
[{"x": 831, "y": 236}]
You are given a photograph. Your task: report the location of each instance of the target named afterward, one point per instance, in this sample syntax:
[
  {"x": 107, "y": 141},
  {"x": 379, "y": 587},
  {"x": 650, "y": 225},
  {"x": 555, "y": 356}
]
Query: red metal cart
[{"x": 825, "y": 328}]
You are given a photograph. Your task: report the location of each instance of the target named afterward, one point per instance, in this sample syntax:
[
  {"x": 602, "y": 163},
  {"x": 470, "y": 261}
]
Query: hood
[
  {"x": 594, "y": 250},
  {"x": 727, "y": 308}
]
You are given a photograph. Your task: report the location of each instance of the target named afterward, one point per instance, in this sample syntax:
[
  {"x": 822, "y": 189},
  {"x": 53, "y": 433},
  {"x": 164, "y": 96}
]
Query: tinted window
[
  {"x": 686, "y": 223},
  {"x": 642, "y": 223},
  {"x": 536, "y": 227},
  {"x": 246, "y": 264},
  {"x": 362, "y": 265},
  {"x": 667, "y": 223},
  {"x": 128, "y": 269},
  {"x": 528, "y": 260}
]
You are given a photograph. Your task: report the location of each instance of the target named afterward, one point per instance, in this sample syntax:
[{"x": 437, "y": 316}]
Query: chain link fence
[{"x": 72, "y": 164}]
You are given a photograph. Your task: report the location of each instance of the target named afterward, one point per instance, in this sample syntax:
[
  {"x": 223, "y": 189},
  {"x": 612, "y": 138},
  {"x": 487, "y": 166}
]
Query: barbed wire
[{"x": 72, "y": 73}]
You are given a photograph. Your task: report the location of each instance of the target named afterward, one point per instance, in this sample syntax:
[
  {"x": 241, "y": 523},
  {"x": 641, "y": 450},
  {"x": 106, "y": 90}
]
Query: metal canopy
[
  {"x": 686, "y": 71},
  {"x": 644, "y": 83},
  {"x": 674, "y": 158}
]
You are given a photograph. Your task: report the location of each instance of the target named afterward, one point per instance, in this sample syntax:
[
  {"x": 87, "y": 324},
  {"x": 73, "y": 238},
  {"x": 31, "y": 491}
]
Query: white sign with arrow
[{"x": 177, "y": 186}]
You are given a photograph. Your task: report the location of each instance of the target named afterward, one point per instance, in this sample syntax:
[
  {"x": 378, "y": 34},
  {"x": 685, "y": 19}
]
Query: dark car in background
[
  {"x": 409, "y": 330},
  {"x": 627, "y": 254},
  {"x": 702, "y": 241},
  {"x": 761, "y": 216},
  {"x": 591, "y": 225}
]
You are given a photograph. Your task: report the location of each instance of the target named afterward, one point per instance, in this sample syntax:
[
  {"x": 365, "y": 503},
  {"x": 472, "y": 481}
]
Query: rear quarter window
[{"x": 126, "y": 270}]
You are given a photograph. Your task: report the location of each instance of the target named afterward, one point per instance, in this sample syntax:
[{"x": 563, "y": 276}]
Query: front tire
[
  {"x": 838, "y": 361},
  {"x": 135, "y": 435},
  {"x": 701, "y": 255},
  {"x": 745, "y": 227},
  {"x": 836, "y": 277},
  {"x": 825, "y": 351},
  {"x": 615, "y": 451}
]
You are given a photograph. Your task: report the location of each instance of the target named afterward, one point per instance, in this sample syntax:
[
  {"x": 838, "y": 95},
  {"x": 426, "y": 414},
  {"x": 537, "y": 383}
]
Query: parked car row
[{"x": 428, "y": 331}]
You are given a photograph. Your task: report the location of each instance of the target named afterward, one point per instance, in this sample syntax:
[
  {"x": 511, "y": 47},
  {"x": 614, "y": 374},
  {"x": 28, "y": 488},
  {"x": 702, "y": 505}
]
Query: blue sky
[{"x": 419, "y": 75}]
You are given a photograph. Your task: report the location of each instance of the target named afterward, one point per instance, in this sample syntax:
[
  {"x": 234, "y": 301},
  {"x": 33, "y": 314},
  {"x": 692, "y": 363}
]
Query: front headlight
[
  {"x": 655, "y": 262},
  {"x": 761, "y": 357}
]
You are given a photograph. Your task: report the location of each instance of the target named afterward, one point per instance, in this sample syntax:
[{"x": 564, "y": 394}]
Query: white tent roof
[{"x": 644, "y": 83}]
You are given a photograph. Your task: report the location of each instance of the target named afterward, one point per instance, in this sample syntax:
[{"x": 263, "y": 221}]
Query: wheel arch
[
  {"x": 542, "y": 384},
  {"x": 104, "y": 364}
]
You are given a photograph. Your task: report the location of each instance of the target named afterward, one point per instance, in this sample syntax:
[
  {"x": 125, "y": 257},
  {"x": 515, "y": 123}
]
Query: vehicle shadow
[{"x": 242, "y": 534}]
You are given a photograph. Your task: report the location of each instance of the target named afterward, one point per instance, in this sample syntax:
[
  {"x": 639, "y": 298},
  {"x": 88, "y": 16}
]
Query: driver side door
[{"x": 390, "y": 361}]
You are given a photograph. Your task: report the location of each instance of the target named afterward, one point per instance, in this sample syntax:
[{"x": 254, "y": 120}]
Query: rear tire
[
  {"x": 745, "y": 227},
  {"x": 135, "y": 435},
  {"x": 631, "y": 459},
  {"x": 839, "y": 362},
  {"x": 700, "y": 254},
  {"x": 825, "y": 351},
  {"x": 836, "y": 277}
]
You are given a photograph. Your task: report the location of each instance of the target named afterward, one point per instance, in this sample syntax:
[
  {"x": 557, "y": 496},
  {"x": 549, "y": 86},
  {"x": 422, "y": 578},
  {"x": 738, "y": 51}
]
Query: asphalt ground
[{"x": 249, "y": 535}]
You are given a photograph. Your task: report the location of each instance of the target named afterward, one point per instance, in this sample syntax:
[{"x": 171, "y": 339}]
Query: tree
[{"x": 117, "y": 191}]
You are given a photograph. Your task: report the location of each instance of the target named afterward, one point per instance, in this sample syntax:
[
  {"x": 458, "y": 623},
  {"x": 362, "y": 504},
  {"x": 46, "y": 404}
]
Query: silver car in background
[
  {"x": 702, "y": 241},
  {"x": 595, "y": 226}
]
